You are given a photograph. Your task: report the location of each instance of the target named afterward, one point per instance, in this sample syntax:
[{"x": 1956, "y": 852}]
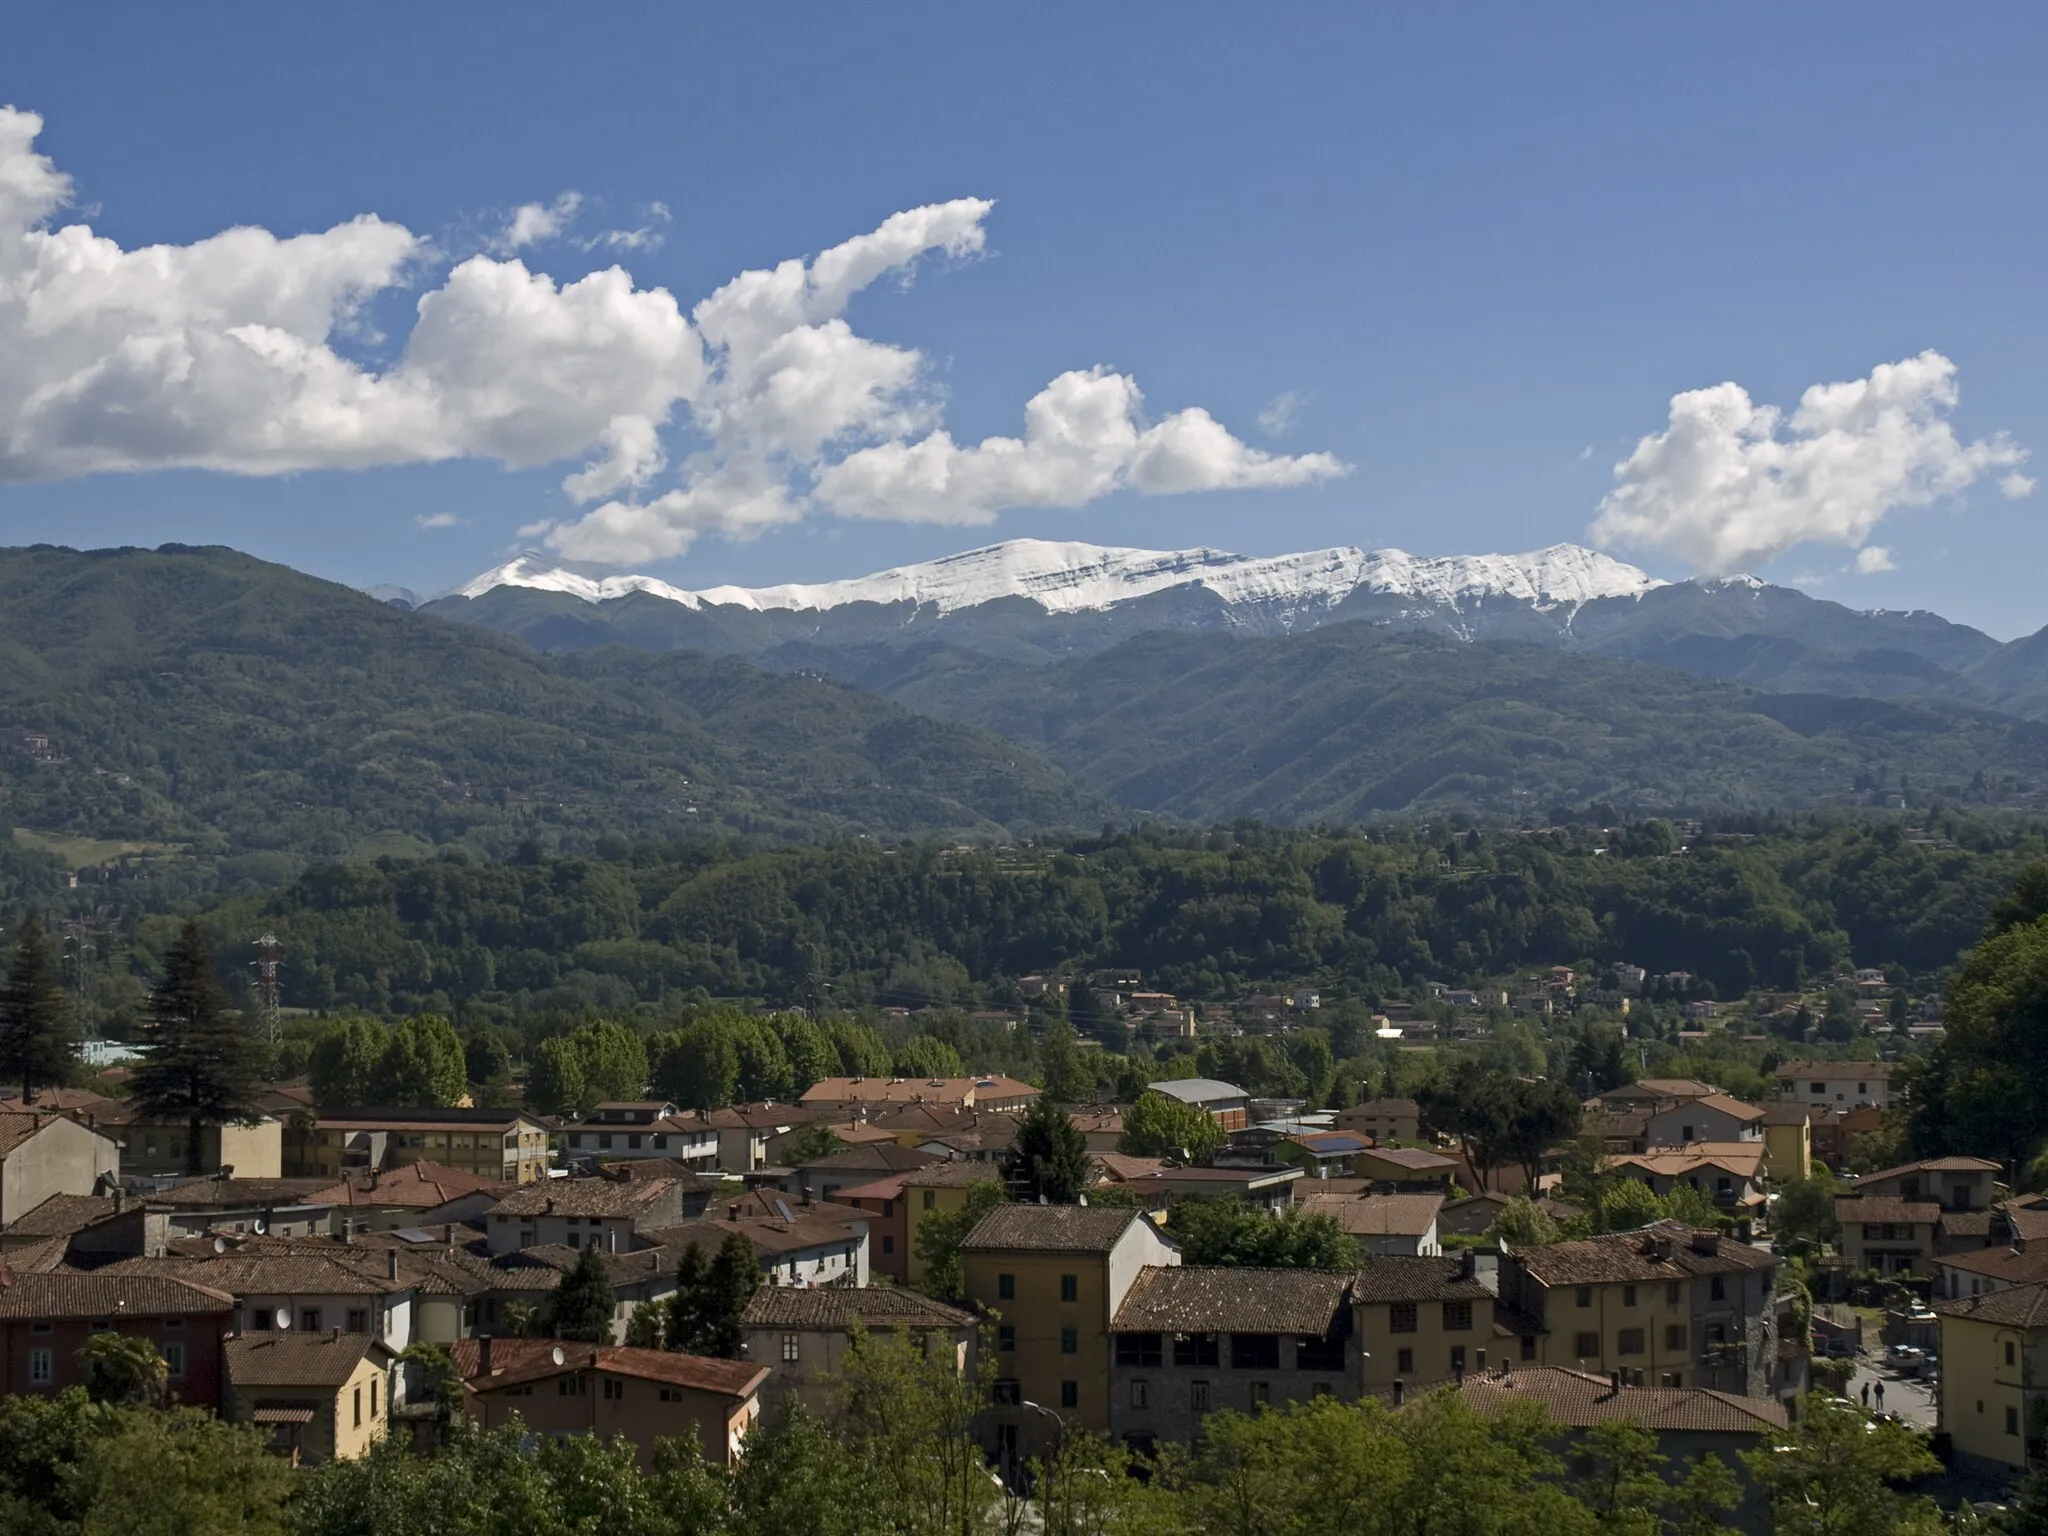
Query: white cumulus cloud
[
  {"x": 1872, "y": 559},
  {"x": 1283, "y": 411},
  {"x": 440, "y": 520},
  {"x": 1730, "y": 483},
  {"x": 762, "y": 405}
]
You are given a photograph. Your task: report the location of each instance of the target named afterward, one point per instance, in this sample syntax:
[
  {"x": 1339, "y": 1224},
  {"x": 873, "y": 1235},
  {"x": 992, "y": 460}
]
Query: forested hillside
[
  {"x": 1350, "y": 722},
  {"x": 239, "y": 710},
  {"x": 1204, "y": 915}
]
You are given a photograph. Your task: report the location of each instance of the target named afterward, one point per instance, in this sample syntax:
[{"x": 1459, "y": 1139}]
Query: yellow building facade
[{"x": 1994, "y": 1376}]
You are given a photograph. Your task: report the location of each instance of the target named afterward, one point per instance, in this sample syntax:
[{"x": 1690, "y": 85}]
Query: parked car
[{"x": 1903, "y": 1357}]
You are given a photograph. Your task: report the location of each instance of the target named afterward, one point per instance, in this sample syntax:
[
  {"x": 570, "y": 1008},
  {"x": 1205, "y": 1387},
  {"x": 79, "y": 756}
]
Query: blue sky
[{"x": 1468, "y": 246}]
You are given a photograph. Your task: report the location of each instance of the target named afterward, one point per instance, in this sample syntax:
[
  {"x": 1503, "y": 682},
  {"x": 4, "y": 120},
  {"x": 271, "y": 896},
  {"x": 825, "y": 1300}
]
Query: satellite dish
[
  {"x": 282, "y": 1317},
  {"x": 256, "y": 1226},
  {"x": 220, "y": 1245},
  {"x": 557, "y": 1356}
]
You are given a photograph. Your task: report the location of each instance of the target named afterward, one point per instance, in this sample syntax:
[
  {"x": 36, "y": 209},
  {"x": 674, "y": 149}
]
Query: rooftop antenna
[{"x": 269, "y": 953}]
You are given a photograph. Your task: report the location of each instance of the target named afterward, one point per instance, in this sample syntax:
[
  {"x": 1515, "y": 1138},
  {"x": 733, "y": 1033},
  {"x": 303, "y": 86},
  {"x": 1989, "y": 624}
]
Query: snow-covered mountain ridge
[{"x": 1067, "y": 577}]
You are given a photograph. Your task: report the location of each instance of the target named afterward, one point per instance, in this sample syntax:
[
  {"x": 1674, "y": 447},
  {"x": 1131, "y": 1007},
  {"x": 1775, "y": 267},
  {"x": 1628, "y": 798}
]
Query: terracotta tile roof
[
  {"x": 1744, "y": 1160},
  {"x": 583, "y": 1197},
  {"x": 283, "y": 1270},
  {"x": 2021, "y": 1306},
  {"x": 844, "y": 1307},
  {"x": 1050, "y": 1229},
  {"x": 1931, "y": 1165},
  {"x": 1662, "y": 1088},
  {"x": 1413, "y": 1158},
  {"x": 297, "y": 1359},
  {"x": 758, "y": 1117},
  {"x": 953, "y": 1173},
  {"x": 1788, "y": 1113},
  {"x": 103, "y": 1293},
  {"x": 882, "y": 1157},
  {"x": 692, "y": 1181},
  {"x": 420, "y": 1186},
  {"x": 401, "y": 1118},
  {"x": 57, "y": 1101},
  {"x": 1401, "y": 1277},
  {"x": 1966, "y": 1224},
  {"x": 37, "y": 1254},
  {"x": 1732, "y": 1107},
  {"x": 1378, "y": 1215},
  {"x": 1632, "y": 1256},
  {"x": 2015, "y": 1266},
  {"x": 821, "y": 1224},
  {"x": 1177, "y": 1299},
  {"x": 1385, "y": 1107},
  {"x": 62, "y": 1215},
  {"x": 1862, "y": 1208},
  {"x": 2028, "y": 1215},
  {"x": 200, "y": 1194},
  {"x": 518, "y": 1361},
  {"x": 1580, "y": 1399}
]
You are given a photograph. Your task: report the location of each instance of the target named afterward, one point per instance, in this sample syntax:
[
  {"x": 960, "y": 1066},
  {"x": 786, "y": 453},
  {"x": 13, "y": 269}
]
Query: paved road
[{"x": 1911, "y": 1399}]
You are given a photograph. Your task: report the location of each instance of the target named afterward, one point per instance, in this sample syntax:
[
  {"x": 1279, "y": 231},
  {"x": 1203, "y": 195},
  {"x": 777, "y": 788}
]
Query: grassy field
[{"x": 86, "y": 852}]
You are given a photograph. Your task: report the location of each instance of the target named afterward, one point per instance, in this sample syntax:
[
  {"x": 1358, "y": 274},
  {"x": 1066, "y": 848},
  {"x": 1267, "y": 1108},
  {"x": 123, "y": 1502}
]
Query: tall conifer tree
[
  {"x": 36, "y": 1048},
  {"x": 202, "y": 1062}
]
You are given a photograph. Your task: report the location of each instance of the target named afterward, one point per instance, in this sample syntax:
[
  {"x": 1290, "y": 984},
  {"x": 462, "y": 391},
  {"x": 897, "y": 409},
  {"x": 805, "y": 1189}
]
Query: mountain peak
[{"x": 1068, "y": 576}]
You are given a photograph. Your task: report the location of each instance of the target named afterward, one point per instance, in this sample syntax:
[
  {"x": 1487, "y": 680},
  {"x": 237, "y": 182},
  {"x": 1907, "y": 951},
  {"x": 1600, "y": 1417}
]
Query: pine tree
[
  {"x": 202, "y": 1062},
  {"x": 35, "y": 1028},
  {"x": 734, "y": 1276},
  {"x": 685, "y": 1329},
  {"x": 584, "y": 1302},
  {"x": 1050, "y": 1159}
]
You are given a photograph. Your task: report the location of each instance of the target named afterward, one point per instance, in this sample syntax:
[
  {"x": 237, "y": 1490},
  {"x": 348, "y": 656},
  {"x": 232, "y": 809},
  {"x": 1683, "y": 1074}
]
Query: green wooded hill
[
  {"x": 203, "y": 698},
  {"x": 1351, "y": 721}
]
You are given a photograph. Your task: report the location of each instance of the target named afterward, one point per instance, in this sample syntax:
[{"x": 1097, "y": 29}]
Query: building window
[
  {"x": 1671, "y": 1294},
  {"x": 1198, "y": 1396},
  {"x": 1009, "y": 1392},
  {"x": 660, "y": 1142},
  {"x": 1140, "y": 1349},
  {"x": 1717, "y": 1289},
  {"x": 1070, "y": 1394},
  {"x": 614, "y": 1389},
  {"x": 174, "y": 1359},
  {"x": 42, "y": 1327},
  {"x": 1457, "y": 1359},
  {"x": 604, "y": 1142},
  {"x": 39, "y": 1366},
  {"x": 633, "y": 1142},
  {"x": 1070, "y": 1287},
  {"x": 1255, "y": 1351},
  {"x": 1006, "y": 1339},
  {"x": 1198, "y": 1350},
  {"x": 1141, "y": 1393},
  {"x": 1318, "y": 1352},
  {"x": 1528, "y": 1346},
  {"x": 1457, "y": 1317},
  {"x": 1582, "y": 1296},
  {"x": 1586, "y": 1346},
  {"x": 1404, "y": 1362},
  {"x": 931, "y": 1198},
  {"x": 309, "y": 1319},
  {"x": 2008, "y": 1352},
  {"x": 1006, "y": 1287},
  {"x": 888, "y": 1243},
  {"x": 1401, "y": 1317},
  {"x": 358, "y": 1396},
  {"x": 1674, "y": 1336},
  {"x": 790, "y": 1349},
  {"x": 1628, "y": 1292},
  {"x": 358, "y": 1320},
  {"x": 174, "y": 1322},
  {"x": 1630, "y": 1342},
  {"x": 1070, "y": 1341},
  {"x": 1261, "y": 1393},
  {"x": 2012, "y": 1421},
  {"x": 373, "y": 1397}
]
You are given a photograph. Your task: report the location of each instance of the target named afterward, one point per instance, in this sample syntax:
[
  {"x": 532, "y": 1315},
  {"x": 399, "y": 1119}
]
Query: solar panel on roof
[{"x": 783, "y": 1207}]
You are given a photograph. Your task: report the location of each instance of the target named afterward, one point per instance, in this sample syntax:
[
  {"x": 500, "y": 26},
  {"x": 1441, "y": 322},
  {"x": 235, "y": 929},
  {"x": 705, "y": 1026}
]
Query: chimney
[
  {"x": 1400, "y": 1391},
  {"x": 732, "y": 1212},
  {"x": 334, "y": 1334},
  {"x": 390, "y": 1263},
  {"x": 1614, "y": 1384},
  {"x": 1708, "y": 1243},
  {"x": 611, "y": 1239},
  {"x": 1479, "y": 1362},
  {"x": 807, "y": 1194},
  {"x": 483, "y": 1355},
  {"x": 1468, "y": 1263}
]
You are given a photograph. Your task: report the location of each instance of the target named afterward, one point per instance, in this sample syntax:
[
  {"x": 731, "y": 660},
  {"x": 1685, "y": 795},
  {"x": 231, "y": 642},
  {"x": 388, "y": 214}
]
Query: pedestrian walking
[
  {"x": 1866, "y": 1396},
  {"x": 1880, "y": 1397}
]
